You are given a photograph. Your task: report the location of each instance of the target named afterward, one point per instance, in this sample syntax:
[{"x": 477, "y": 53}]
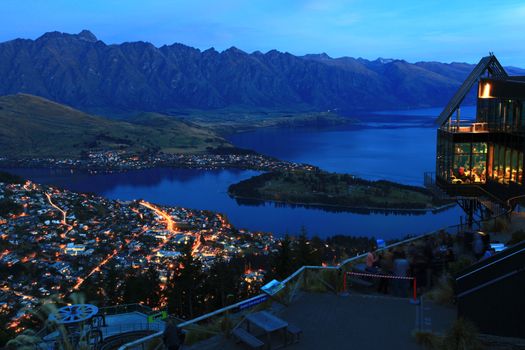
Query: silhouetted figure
[
  {"x": 173, "y": 337},
  {"x": 386, "y": 263},
  {"x": 401, "y": 266}
]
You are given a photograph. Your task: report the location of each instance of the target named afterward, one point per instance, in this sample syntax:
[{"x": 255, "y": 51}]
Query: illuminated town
[
  {"x": 61, "y": 239},
  {"x": 111, "y": 160}
]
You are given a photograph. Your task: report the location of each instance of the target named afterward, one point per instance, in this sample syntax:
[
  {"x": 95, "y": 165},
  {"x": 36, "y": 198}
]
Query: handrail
[
  {"x": 491, "y": 282},
  {"x": 490, "y": 264}
]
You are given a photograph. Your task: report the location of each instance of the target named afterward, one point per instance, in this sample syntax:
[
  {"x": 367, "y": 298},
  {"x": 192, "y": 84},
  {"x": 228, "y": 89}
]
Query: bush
[
  {"x": 463, "y": 335},
  {"x": 460, "y": 264},
  {"x": 427, "y": 340},
  {"x": 443, "y": 292}
]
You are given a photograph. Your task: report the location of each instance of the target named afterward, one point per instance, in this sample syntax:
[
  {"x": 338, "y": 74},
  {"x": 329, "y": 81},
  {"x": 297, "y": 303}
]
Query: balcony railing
[{"x": 465, "y": 127}]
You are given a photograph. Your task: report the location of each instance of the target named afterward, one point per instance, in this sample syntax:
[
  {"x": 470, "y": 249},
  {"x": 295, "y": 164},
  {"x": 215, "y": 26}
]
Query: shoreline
[{"x": 349, "y": 208}]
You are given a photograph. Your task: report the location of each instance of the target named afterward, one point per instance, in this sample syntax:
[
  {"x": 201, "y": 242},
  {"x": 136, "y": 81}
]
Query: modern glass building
[{"x": 484, "y": 154}]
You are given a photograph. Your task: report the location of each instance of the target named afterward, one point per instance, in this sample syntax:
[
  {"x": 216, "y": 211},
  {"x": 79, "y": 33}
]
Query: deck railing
[
  {"x": 465, "y": 126},
  {"x": 327, "y": 278}
]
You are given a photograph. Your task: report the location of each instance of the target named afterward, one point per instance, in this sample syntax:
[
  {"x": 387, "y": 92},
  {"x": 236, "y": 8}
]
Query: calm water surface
[{"x": 395, "y": 151}]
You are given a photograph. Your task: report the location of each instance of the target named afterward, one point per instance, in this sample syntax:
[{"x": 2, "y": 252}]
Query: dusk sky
[{"x": 429, "y": 30}]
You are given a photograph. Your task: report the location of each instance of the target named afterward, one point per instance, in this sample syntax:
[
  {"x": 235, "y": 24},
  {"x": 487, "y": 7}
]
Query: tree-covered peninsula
[{"x": 332, "y": 189}]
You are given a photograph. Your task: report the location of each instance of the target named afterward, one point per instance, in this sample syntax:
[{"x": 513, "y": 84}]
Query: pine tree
[
  {"x": 283, "y": 259},
  {"x": 185, "y": 285}
]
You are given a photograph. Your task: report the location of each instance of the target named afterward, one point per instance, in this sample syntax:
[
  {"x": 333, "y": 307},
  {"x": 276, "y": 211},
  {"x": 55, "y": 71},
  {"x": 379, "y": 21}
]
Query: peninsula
[{"x": 332, "y": 189}]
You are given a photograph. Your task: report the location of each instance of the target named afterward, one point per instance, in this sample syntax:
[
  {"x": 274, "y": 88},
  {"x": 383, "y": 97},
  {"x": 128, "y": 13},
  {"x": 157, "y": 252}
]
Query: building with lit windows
[{"x": 484, "y": 155}]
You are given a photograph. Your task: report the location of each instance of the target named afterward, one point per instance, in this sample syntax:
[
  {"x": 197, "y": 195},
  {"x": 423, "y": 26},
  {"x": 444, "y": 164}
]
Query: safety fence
[{"x": 390, "y": 277}]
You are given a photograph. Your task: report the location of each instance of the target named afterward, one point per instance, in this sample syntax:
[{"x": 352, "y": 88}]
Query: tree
[
  {"x": 111, "y": 286},
  {"x": 152, "y": 283},
  {"x": 303, "y": 252},
  {"x": 283, "y": 258},
  {"x": 142, "y": 287},
  {"x": 185, "y": 284}
]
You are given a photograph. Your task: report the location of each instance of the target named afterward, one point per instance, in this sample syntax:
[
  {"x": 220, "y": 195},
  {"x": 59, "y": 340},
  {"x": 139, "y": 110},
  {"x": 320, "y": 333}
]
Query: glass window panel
[
  {"x": 479, "y": 148},
  {"x": 490, "y": 161},
  {"x": 522, "y": 115},
  {"x": 520, "y": 168},
  {"x": 461, "y": 169},
  {"x": 514, "y": 166},
  {"x": 462, "y": 148},
  {"x": 507, "y": 166},
  {"x": 501, "y": 164},
  {"x": 478, "y": 172}
]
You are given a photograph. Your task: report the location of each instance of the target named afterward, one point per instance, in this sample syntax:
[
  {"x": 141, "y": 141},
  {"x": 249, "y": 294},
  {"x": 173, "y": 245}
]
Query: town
[
  {"x": 53, "y": 241},
  {"x": 120, "y": 160}
]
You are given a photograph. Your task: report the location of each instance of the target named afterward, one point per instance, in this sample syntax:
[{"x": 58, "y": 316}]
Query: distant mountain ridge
[{"x": 84, "y": 72}]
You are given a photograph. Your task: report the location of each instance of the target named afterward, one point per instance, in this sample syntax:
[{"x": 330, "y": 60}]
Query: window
[{"x": 469, "y": 163}]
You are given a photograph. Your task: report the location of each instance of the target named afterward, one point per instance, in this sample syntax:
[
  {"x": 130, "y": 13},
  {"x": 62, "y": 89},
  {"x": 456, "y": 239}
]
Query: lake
[{"x": 394, "y": 151}]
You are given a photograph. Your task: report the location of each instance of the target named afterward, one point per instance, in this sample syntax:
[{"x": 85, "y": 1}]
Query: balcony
[{"x": 465, "y": 127}]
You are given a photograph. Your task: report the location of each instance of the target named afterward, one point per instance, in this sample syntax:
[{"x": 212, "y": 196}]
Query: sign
[
  {"x": 272, "y": 287},
  {"x": 380, "y": 243},
  {"x": 162, "y": 315},
  {"x": 253, "y": 302}
]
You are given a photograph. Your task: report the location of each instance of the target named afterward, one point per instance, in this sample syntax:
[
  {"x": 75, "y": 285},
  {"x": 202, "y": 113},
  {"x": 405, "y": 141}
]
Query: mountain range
[{"x": 81, "y": 71}]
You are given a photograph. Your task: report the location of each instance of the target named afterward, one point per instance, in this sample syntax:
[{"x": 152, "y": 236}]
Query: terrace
[{"x": 315, "y": 300}]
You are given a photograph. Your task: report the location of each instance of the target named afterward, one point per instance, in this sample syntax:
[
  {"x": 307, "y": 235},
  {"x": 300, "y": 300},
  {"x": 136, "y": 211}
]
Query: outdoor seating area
[{"x": 263, "y": 330}]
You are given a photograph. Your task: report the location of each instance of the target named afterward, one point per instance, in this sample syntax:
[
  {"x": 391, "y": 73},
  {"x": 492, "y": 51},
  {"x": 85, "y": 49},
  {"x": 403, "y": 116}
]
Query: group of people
[{"x": 420, "y": 261}]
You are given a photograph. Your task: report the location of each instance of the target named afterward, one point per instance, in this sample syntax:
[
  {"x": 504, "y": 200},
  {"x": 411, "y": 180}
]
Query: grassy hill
[{"x": 35, "y": 127}]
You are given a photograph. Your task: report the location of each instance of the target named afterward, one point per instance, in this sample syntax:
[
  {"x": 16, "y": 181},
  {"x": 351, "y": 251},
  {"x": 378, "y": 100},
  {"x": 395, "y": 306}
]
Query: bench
[
  {"x": 295, "y": 332},
  {"x": 242, "y": 335}
]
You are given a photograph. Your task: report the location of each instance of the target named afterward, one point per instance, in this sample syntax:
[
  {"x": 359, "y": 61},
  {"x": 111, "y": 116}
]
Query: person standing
[{"x": 401, "y": 267}]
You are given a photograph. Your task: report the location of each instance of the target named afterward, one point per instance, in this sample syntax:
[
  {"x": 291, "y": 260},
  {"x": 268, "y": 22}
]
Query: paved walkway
[{"x": 353, "y": 322}]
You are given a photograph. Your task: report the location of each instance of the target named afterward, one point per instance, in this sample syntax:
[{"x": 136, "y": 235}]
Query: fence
[
  {"x": 327, "y": 278},
  {"x": 374, "y": 275}
]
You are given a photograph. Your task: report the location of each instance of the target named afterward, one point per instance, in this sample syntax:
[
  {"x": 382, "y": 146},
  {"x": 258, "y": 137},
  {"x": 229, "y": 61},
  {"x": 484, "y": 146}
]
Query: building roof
[{"x": 488, "y": 64}]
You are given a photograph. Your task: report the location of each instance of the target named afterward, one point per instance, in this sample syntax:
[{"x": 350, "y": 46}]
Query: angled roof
[{"x": 489, "y": 64}]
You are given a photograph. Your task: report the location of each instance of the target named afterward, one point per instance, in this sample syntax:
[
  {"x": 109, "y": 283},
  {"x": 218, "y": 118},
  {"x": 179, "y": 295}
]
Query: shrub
[
  {"x": 463, "y": 335},
  {"x": 460, "y": 264},
  {"x": 443, "y": 292},
  {"x": 427, "y": 340}
]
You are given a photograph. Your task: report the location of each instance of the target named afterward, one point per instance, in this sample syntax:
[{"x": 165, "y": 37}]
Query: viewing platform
[
  {"x": 318, "y": 307},
  {"x": 360, "y": 321}
]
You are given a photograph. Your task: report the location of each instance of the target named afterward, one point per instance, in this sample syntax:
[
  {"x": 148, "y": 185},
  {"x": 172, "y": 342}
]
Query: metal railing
[
  {"x": 328, "y": 276},
  {"x": 465, "y": 126},
  {"x": 124, "y": 308}
]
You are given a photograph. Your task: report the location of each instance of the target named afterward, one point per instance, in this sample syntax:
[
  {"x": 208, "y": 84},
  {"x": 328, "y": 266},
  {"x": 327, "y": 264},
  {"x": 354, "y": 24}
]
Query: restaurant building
[{"x": 484, "y": 156}]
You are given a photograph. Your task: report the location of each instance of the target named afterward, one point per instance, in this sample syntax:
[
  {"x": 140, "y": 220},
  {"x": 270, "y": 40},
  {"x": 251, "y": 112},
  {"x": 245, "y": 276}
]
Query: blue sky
[{"x": 429, "y": 30}]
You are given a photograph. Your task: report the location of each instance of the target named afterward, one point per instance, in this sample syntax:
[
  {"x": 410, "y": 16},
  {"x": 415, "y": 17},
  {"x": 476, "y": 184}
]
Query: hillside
[
  {"x": 121, "y": 79},
  {"x": 36, "y": 127}
]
